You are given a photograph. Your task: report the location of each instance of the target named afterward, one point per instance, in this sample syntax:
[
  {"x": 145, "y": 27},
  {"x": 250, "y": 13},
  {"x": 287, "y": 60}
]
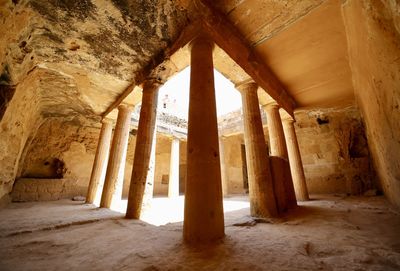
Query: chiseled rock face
[
  {"x": 89, "y": 50},
  {"x": 373, "y": 34},
  {"x": 69, "y": 60},
  {"x": 334, "y": 151}
]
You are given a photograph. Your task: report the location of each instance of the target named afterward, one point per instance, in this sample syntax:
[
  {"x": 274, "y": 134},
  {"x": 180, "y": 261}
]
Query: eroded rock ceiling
[
  {"x": 84, "y": 54},
  {"x": 87, "y": 52}
]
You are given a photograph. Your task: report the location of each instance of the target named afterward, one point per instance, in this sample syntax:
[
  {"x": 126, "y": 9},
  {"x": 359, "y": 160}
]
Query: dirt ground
[{"x": 327, "y": 233}]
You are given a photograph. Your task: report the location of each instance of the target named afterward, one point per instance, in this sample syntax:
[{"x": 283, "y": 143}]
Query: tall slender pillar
[
  {"x": 203, "y": 216},
  {"x": 261, "y": 191},
  {"x": 275, "y": 129},
  {"x": 100, "y": 160},
  {"x": 296, "y": 165},
  {"x": 144, "y": 142},
  {"x": 173, "y": 184},
  {"x": 116, "y": 161},
  {"x": 224, "y": 178}
]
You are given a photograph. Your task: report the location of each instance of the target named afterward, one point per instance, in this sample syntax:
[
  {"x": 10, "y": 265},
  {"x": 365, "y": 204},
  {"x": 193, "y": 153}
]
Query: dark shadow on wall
[
  {"x": 7, "y": 90},
  {"x": 52, "y": 168}
]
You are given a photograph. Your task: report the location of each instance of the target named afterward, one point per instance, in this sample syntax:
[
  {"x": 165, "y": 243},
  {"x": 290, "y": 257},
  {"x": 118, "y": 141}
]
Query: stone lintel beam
[{"x": 228, "y": 38}]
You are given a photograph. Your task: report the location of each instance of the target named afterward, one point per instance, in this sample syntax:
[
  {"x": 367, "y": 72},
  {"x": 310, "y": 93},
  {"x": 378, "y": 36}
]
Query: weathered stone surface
[
  {"x": 333, "y": 148},
  {"x": 283, "y": 185},
  {"x": 373, "y": 33},
  {"x": 334, "y": 151},
  {"x": 277, "y": 14},
  {"x": 72, "y": 58},
  {"x": 46, "y": 189},
  {"x": 65, "y": 62}
]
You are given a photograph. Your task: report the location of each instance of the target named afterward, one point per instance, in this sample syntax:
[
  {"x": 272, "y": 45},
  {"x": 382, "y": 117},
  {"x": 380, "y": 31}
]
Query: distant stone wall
[
  {"x": 333, "y": 148},
  {"x": 161, "y": 176},
  {"x": 234, "y": 164}
]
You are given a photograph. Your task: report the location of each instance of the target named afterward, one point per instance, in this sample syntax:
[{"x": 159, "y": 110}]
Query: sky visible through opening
[{"x": 177, "y": 91}]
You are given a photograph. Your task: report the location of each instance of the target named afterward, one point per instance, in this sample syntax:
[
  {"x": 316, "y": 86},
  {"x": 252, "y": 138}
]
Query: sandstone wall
[
  {"x": 62, "y": 149},
  {"x": 373, "y": 33},
  {"x": 163, "y": 159},
  {"x": 17, "y": 126},
  {"x": 233, "y": 163},
  {"x": 333, "y": 147},
  {"x": 44, "y": 189},
  {"x": 334, "y": 151},
  {"x": 58, "y": 162}
]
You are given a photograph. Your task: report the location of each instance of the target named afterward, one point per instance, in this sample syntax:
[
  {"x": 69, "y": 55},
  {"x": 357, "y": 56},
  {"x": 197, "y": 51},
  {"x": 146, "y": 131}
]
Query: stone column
[
  {"x": 173, "y": 184},
  {"x": 151, "y": 171},
  {"x": 275, "y": 129},
  {"x": 223, "y": 167},
  {"x": 116, "y": 161},
  {"x": 204, "y": 216},
  {"x": 261, "y": 191},
  {"x": 144, "y": 142},
  {"x": 100, "y": 160},
  {"x": 283, "y": 184},
  {"x": 296, "y": 165}
]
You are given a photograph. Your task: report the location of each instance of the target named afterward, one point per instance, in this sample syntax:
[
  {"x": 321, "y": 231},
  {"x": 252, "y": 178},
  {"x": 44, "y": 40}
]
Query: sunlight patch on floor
[{"x": 166, "y": 210}]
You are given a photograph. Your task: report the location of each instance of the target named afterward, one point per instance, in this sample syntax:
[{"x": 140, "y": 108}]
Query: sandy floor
[{"x": 327, "y": 233}]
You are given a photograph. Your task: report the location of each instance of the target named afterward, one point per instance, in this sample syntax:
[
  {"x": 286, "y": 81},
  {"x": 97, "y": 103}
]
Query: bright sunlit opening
[{"x": 174, "y": 94}]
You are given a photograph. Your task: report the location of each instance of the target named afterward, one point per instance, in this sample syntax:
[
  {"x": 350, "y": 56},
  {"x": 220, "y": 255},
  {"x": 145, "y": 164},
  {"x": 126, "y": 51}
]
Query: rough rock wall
[
  {"x": 17, "y": 127},
  {"x": 373, "y": 33},
  {"x": 334, "y": 151},
  {"x": 62, "y": 149}
]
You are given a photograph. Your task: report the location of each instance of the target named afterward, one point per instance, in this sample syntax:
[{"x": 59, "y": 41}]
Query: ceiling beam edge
[{"x": 228, "y": 38}]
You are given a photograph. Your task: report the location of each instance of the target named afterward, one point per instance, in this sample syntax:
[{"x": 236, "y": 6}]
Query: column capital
[
  {"x": 288, "y": 120},
  {"x": 151, "y": 84},
  {"x": 106, "y": 121},
  {"x": 124, "y": 108},
  {"x": 247, "y": 85},
  {"x": 202, "y": 38},
  {"x": 271, "y": 105}
]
